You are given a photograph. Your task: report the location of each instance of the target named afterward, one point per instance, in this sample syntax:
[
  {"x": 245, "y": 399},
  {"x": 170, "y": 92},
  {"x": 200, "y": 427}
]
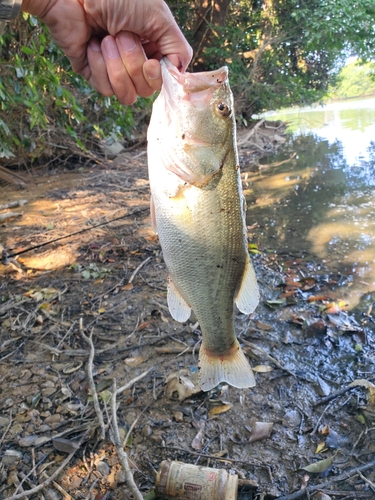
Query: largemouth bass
[{"x": 197, "y": 209}]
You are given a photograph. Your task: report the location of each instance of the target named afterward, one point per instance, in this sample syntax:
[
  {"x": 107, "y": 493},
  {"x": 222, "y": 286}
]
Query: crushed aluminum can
[{"x": 177, "y": 480}]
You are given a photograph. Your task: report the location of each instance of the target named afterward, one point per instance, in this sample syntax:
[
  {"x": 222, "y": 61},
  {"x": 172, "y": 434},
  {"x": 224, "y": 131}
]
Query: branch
[
  {"x": 123, "y": 456},
  {"x": 90, "y": 375}
]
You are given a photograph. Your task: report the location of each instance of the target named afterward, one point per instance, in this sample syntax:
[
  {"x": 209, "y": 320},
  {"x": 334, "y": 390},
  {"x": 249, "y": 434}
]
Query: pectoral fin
[
  {"x": 178, "y": 307},
  {"x": 247, "y": 297}
]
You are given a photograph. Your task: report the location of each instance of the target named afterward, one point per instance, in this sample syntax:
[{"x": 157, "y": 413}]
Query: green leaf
[
  {"x": 321, "y": 466},
  {"x": 27, "y": 50}
]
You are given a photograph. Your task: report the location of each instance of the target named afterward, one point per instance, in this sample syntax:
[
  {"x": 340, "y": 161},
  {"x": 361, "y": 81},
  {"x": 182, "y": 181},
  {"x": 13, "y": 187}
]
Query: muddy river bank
[{"x": 305, "y": 431}]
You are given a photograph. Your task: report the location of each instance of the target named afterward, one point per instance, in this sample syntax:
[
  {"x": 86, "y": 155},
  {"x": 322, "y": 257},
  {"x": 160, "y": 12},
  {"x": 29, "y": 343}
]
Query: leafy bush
[{"x": 45, "y": 108}]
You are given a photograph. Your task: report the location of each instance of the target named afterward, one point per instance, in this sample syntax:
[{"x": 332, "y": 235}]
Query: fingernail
[
  {"x": 153, "y": 73},
  {"x": 94, "y": 45},
  {"x": 111, "y": 48},
  {"x": 127, "y": 41}
]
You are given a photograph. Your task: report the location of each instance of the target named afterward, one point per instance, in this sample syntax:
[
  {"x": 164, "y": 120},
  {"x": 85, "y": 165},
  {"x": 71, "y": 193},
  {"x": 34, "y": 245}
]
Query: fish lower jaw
[{"x": 231, "y": 367}]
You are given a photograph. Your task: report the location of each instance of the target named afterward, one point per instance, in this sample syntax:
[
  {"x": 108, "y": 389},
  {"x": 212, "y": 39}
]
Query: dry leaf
[
  {"x": 260, "y": 430},
  {"x": 216, "y": 410},
  {"x": 65, "y": 445},
  {"x": 321, "y": 447},
  {"x": 263, "y": 326},
  {"x": 135, "y": 361},
  {"x": 179, "y": 386},
  {"x": 262, "y": 368},
  {"x": 362, "y": 382},
  {"x": 128, "y": 287}
]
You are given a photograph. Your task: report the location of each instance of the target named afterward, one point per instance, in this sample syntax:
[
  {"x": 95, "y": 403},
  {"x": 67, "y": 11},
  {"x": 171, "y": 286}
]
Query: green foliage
[
  {"x": 355, "y": 80},
  {"x": 284, "y": 52},
  {"x": 45, "y": 108}
]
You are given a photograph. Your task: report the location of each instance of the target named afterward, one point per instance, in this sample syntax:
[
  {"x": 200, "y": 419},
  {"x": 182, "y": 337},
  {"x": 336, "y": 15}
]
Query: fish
[{"x": 198, "y": 212}]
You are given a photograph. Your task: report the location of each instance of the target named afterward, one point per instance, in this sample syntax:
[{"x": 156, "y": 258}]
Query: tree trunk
[{"x": 209, "y": 14}]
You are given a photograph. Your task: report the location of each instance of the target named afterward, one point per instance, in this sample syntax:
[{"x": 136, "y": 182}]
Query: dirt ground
[{"x": 305, "y": 431}]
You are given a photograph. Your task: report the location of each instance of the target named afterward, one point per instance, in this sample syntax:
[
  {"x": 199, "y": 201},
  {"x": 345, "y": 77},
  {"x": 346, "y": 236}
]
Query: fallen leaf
[
  {"x": 260, "y": 430},
  {"x": 321, "y": 447},
  {"x": 362, "y": 382},
  {"x": 263, "y": 326},
  {"x": 216, "y": 410},
  {"x": 321, "y": 466},
  {"x": 101, "y": 310},
  {"x": 65, "y": 445},
  {"x": 128, "y": 287},
  {"x": 135, "y": 361},
  {"x": 262, "y": 368}
]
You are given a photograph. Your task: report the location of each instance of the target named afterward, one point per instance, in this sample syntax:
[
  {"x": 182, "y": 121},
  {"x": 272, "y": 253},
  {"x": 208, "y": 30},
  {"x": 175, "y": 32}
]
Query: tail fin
[{"x": 232, "y": 368}]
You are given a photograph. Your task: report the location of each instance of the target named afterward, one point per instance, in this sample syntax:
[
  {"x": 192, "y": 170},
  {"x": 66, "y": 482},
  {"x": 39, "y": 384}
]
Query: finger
[
  {"x": 133, "y": 57},
  {"x": 119, "y": 78},
  {"x": 152, "y": 73},
  {"x": 98, "y": 77}
]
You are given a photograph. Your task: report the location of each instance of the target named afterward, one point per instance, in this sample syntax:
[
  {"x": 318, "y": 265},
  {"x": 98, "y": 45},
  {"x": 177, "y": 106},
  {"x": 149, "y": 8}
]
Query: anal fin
[
  {"x": 247, "y": 297},
  {"x": 232, "y": 368},
  {"x": 178, "y": 307}
]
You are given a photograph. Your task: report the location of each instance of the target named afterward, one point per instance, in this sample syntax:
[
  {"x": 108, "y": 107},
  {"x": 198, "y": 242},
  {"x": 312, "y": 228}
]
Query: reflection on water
[{"x": 323, "y": 200}]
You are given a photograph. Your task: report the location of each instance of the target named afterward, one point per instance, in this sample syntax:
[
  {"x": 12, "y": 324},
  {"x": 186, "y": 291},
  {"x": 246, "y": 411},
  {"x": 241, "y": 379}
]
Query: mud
[{"x": 314, "y": 360}]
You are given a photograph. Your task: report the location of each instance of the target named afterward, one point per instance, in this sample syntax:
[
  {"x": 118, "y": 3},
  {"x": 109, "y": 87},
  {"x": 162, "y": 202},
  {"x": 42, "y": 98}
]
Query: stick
[
  {"x": 133, "y": 381},
  {"x": 335, "y": 395},
  {"x": 346, "y": 475},
  {"x": 146, "y": 261},
  {"x": 9, "y": 215},
  {"x": 90, "y": 375},
  {"x": 123, "y": 456},
  {"x": 12, "y": 204}
]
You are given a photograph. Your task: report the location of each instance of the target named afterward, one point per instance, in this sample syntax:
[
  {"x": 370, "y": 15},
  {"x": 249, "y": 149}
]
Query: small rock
[
  {"x": 103, "y": 468},
  {"x": 28, "y": 441},
  {"x": 178, "y": 416},
  {"x": 147, "y": 430},
  {"x": 11, "y": 456},
  {"x": 292, "y": 418}
]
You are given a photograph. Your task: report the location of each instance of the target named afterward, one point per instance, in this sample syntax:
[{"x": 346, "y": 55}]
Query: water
[{"x": 323, "y": 200}]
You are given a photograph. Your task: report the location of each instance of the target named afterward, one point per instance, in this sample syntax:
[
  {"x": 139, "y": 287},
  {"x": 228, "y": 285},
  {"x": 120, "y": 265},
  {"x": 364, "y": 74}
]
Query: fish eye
[{"x": 222, "y": 108}]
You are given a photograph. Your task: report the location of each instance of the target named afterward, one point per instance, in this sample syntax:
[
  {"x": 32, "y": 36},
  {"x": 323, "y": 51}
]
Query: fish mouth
[{"x": 187, "y": 85}]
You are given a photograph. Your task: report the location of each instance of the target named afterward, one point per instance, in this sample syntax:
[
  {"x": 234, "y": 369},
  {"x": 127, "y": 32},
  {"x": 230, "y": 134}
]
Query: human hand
[{"x": 116, "y": 45}]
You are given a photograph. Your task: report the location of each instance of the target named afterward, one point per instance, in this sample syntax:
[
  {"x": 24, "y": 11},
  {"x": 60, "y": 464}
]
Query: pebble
[{"x": 292, "y": 418}]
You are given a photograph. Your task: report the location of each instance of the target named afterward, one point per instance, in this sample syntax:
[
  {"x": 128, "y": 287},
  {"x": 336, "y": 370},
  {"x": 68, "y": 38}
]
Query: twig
[
  {"x": 90, "y": 375},
  {"x": 133, "y": 381},
  {"x": 9, "y": 215},
  {"x": 13, "y": 204},
  {"x": 251, "y": 132},
  {"x": 320, "y": 418},
  {"x": 256, "y": 463},
  {"x": 120, "y": 450},
  {"x": 335, "y": 395},
  {"x": 146, "y": 261},
  {"x": 372, "y": 485},
  {"x": 342, "y": 477}
]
